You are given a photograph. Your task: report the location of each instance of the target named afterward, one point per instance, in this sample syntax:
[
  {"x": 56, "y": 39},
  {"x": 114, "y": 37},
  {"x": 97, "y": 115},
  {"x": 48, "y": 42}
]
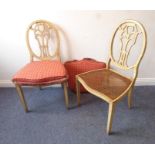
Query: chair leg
[
  {"x": 40, "y": 87},
  {"x": 78, "y": 91},
  {"x": 110, "y": 117},
  {"x": 21, "y": 96},
  {"x": 62, "y": 85},
  {"x": 129, "y": 98},
  {"x": 66, "y": 94}
]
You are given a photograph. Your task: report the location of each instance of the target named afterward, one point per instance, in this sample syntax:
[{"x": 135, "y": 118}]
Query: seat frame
[
  {"x": 121, "y": 64},
  {"x": 45, "y": 54}
]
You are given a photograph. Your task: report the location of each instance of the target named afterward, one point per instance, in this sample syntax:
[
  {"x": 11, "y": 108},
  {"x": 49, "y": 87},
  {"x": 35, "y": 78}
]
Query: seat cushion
[
  {"x": 76, "y": 67},
  {"x": 41, "y": 72}
]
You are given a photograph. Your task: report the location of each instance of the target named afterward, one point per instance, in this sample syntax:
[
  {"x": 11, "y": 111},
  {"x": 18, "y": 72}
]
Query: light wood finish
[
  {"x": 66, "y": 94},
  {"x": 21, "y": 96},
  {"x": 108, "y": 84},
  {"x": 129, "y": 98},
  {"x": 129, "y": 32},
  {"x": 78, "y": 90},
  {"x": 43, "y": 33},
  {"x": 110, "y": 117}
]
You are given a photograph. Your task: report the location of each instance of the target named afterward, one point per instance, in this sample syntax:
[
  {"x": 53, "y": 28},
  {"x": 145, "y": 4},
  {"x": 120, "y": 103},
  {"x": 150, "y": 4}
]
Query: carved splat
[
  {"x": 128, "y": 38},
  {"x": 44, "y": 33},
  {"x": 129, "y": 32}
]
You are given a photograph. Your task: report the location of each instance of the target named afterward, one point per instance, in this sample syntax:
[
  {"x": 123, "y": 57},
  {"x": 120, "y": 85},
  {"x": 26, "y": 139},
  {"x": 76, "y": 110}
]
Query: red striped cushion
[{"x": 41, "y": 72}]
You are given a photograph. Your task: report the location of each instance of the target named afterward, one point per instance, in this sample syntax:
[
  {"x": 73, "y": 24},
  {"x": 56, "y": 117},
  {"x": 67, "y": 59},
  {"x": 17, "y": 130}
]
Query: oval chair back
[
  {"x": 45, "y": 36},
  {"x": 129, "y": 33}
]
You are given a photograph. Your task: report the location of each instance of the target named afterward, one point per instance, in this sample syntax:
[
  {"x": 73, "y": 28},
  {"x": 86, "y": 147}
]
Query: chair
[
  {"x": 112, "y": 83},
  {"x": 45, "y": 67}
]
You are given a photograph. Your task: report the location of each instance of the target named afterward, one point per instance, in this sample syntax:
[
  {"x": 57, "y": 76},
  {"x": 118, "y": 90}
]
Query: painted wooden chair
[
  {"x": 45, "y": 67},
  {"x": 111, "y": 84}
]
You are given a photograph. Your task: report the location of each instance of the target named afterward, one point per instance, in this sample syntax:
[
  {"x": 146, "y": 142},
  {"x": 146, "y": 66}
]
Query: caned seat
[
  {"x": 111, "y": 84},
  {"x": 45, "y": 67},
  {"x": 105, "y": 82}
]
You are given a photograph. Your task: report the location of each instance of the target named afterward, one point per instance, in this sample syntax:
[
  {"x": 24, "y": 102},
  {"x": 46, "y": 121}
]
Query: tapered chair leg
[
  {"x": 78, "y": 91},
  {"x": 62, "y": 85},
  {"x": 110, "y": 117},
  {"x": 40, "y": 87},
  {"x": 129, "y": 98},
  {"x": 66, "y": 94},
  {"x": 21, "y": 96}
]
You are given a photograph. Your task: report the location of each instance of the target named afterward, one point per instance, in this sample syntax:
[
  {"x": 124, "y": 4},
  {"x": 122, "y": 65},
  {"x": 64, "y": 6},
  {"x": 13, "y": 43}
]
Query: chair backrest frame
[
  {"x": 121, "y": 63},
  {"x": 42, "y": 37}
]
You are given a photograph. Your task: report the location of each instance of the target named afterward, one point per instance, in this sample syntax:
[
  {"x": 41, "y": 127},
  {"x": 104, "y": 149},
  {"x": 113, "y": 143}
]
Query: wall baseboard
[
  {"x": 139, "y": 82},
  {"x": 8, "y": 83},
  {"x": 145, "y": 82}
]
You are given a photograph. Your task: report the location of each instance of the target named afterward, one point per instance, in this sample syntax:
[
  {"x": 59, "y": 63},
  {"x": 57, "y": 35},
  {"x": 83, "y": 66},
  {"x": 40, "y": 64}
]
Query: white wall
[{"x": 87, "y": 33}]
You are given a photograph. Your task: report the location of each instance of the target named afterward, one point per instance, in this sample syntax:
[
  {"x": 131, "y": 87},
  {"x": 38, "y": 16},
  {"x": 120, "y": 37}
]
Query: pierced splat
[
  {"x": 42, "y": 35},
  {"x": 47, "y": 38},
  {"x": 128, "y": 37}
]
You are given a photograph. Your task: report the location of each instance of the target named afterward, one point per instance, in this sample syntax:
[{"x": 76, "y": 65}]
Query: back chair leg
[
  {"x": 21, "y": 96},
  {"x": 62, "y": 85},
  {"x": 130, "y": 97},
  {"x": 40, "y": 87},
  {"x": 66, "y": 94},
  {"x": 110, "y": 117},
  {"x": 78, "y": 91}
]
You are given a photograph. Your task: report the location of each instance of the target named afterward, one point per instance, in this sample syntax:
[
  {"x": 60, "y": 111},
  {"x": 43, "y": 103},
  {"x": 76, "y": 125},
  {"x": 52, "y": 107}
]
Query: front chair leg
[
  {"x": 78, "y": 91},
  {"x": 21, "y": 96},
  {"x": 66, "y": 94},
  {"x": 110, "y": 117},
  {"x": 129, "y": 98}
]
